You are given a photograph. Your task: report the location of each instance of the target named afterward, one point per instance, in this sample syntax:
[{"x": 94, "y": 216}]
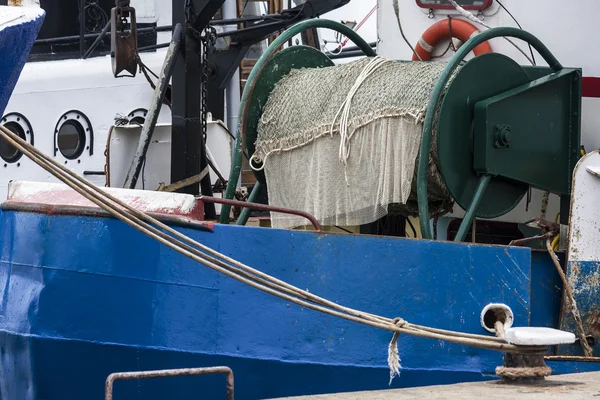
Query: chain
[{"x": 208, "y": 41}]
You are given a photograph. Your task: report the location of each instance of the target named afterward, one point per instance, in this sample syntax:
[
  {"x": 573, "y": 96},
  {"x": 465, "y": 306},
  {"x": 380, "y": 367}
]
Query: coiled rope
[{"x": 245, "y": 274}]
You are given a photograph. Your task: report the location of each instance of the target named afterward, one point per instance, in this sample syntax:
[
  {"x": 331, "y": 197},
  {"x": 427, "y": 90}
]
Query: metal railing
[{"x": 167, "y": 373}]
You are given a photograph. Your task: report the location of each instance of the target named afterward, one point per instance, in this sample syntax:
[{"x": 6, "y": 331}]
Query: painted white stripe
[
  {"x": 426, "y": 46},
  {"x": 474, "y": 34}
]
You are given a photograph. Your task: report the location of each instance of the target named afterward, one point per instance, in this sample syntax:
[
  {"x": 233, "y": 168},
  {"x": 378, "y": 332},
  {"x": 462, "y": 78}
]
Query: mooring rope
[
  {"x": 571, "y": 299},
  {"x": 243, "y": 273}
]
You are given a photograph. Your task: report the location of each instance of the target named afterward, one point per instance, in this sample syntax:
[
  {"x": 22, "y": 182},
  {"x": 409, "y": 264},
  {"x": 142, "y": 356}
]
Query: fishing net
[{"x": 353, "y": 165}]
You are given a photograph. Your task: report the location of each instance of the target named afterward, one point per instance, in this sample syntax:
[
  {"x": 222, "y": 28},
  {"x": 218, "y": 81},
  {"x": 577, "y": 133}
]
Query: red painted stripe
[{"x": 591, "y": 87}]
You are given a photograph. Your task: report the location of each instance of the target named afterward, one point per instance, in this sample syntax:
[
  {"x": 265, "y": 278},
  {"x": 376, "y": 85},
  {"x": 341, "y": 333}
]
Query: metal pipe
[
  {"x": 352, "y": 48},
  {"x": 470, "y": 214},
  {"x": 64, "y": 39},
  {"x": 245, "y": 214},
  {"x": 154, "y": 47},
  {"x": 167, "y": 373},
  {"x": 81, "y": 27},
  {"x": 150, "y": 121},
  {"x": 347, "y": 54},
  {"x": 263, "y": 60},
  {"x": 233, "y": 21},
  {"x": 262, "y": 207},
  {"x": 232, "y": 92},
  {"x": 97, "y": 41}
]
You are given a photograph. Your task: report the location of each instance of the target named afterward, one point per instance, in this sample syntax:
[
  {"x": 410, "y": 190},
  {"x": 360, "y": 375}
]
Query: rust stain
[
  {"x": 593, "y": 322},
  {"x": 593, "y": 280},
  {"x": 15, "y": 3}
]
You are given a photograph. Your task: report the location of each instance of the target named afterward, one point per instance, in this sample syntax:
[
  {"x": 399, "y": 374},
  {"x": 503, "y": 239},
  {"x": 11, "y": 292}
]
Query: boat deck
[{"x": 571, "y": 386}]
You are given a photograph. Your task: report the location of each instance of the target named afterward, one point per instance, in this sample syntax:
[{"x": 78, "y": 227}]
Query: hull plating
[{"x": 83, "y": 297}]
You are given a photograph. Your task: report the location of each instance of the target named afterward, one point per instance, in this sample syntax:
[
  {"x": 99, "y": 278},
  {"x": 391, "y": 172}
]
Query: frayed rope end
[{"x": 393, "y": 359}]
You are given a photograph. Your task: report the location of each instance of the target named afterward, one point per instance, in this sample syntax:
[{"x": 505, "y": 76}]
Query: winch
[{"x": 492, "y": 127}]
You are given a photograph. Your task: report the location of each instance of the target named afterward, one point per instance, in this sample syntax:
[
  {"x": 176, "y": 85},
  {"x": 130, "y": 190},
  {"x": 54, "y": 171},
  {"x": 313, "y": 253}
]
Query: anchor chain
[{"x": 208, "y": 41}]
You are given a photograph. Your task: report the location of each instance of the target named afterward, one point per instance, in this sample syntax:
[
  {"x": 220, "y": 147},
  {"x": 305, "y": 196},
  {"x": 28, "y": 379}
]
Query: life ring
[{"x": 445, "y": 29}]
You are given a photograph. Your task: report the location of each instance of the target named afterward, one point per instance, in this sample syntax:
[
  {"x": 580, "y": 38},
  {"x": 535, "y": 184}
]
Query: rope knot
[
  {"x": 393, "y": 357},
  {"x": 400, "y": 323}
]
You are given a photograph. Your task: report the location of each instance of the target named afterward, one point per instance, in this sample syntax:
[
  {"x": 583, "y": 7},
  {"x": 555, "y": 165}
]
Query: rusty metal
[
  {"x": 123, "y": 41},
  {"x": 167, "y": 373},
  {"x": 549, "y": 229},
  {"x": 521, "y": 242},
  {"x": 50, "y": 209},
  {"x": 262, "y": 207},
  {"x": 183, "y": 183},
  {"x": 162, "y": 84}
]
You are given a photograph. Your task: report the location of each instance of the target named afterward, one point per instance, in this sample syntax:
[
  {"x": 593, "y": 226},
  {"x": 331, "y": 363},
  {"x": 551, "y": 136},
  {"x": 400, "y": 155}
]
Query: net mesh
[{"x": 300, "y": 146}]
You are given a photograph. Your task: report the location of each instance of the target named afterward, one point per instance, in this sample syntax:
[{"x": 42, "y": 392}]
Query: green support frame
[{"x": 435, "y": 99}]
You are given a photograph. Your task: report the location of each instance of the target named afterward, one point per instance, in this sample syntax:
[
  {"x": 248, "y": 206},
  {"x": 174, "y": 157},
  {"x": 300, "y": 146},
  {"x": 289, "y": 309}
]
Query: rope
[
  {"x": 499, "y": 326},
  {"x": 514, "y": 373},
  {"x": 393, "y": 356},
  {"x": 571, "y": 299},
  {"x": 473, "y": 18},
  {"x": 344, "y": 111},
  {"x": 238, "y": 271}
]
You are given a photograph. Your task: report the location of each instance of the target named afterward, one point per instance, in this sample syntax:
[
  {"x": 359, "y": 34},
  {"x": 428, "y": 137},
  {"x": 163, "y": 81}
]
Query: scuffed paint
[
  {"x": 58, "y": 194},
  {"x": 117, "y": 296},
  {"x": 583, "y": 267}
]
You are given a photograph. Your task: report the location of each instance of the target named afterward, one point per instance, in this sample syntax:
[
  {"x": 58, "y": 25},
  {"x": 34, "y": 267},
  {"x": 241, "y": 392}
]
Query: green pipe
[
  {"x": 245, "y": 214},
  {"x": 436, "y": 96},
  {"x": 255, "y": 73},
  {"x": 470, "y": 214}
]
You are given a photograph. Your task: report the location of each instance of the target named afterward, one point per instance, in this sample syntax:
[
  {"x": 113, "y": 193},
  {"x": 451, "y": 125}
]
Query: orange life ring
[{"x": 445, "y": 29}]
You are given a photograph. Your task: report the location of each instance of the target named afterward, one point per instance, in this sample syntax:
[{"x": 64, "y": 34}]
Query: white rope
[
  {"x": 344, "y": 111},
  {"x": 393, "y": 356},
  {"x": 473, "y": 18}
]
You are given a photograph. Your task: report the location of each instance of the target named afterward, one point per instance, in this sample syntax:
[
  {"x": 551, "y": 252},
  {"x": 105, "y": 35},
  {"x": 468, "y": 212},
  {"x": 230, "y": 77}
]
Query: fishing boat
[{"x": 458, "y": 246}]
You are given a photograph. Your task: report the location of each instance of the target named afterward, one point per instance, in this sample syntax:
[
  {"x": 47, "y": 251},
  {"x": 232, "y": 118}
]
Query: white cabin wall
[
  {"x": 164, "y": 17},
  {"x": 46, "y": 90}
]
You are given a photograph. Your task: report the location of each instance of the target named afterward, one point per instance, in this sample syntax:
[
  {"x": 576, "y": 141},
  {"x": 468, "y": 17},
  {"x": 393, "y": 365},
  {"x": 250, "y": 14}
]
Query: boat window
[
  {"x": 71, "y": 139},
  {"x": 18, "y": 124},
  {"x": 73, "y": 135},
  {"x": 138, "y": 117},
  {"x": 7, "y": 151}
]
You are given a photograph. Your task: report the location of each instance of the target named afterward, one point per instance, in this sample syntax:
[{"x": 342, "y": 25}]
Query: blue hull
[
  {"x": 16, "y": 41},
  {"x": 84, "y": 296}
]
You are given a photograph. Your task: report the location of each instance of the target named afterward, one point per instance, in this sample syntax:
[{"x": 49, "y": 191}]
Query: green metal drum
[{"x": 281, "y": 64}]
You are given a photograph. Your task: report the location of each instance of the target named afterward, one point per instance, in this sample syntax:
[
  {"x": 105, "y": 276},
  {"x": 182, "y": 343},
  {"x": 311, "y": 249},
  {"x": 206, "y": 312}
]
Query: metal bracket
[{"x": 530, "y": 134}]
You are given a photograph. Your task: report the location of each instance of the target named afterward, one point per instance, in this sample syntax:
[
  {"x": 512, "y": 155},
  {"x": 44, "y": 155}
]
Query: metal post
[
  {"x": 97, "y": 41},
  {"x": 81, "y": 28},
  {"x": 157, "y": 100},
  {"x": 188, "y": 156},
  {"x": 470, "y": 212},
  {"x": 233, "y": 87}
]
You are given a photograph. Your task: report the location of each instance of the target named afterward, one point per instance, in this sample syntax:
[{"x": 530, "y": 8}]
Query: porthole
[
  {"x": 138, "y": 116},
  {"x": 16, "y": 123},
  {"x": 73, "y": 135}
]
